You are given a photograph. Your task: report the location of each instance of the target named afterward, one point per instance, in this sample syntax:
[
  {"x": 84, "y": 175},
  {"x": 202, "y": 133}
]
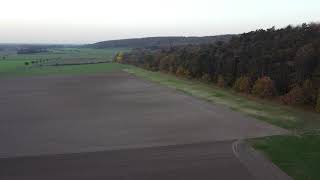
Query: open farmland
[
  {"x": 84, "y": 108},
  {"x": 51, "y": 62},
  {"x": 93, "y": 106},
  {"x": 127, "y": 119},
  {"x": 63, "y": 54}
]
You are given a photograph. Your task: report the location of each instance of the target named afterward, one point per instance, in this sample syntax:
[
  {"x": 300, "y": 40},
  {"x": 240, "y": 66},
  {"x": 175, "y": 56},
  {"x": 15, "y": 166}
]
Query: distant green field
[
  {"x": 64, "y": 54},
  {"x": 12, "y": 64},
  {"x": 62, "y": 70}
]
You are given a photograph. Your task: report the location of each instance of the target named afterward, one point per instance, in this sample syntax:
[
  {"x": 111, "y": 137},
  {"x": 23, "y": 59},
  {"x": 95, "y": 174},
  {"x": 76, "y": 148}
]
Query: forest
[
  {"x": 158, "y": 42},
  {"x": 281, "y": 64}
]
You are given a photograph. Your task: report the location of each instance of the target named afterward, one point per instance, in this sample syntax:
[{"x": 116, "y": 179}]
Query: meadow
[{"x": 56, "y": 62}]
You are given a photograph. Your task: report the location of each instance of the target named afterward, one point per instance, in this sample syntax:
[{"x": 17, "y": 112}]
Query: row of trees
[
  {"x": 273, "y": 62},
  {"x": 158, "y": 42}
]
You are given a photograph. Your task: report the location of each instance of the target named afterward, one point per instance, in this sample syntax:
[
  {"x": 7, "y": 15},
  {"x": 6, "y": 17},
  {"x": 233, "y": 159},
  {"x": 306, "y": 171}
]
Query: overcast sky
[{"x": 87, "y": 21}]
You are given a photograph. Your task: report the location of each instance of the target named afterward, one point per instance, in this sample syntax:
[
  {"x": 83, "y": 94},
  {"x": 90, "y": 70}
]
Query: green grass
[
  {"x": 297, "y": 154},
  {"x": 10, "y": 66},
  {"x": 63, "y": 54},
  {"x": 65, "y": 70},
  {"x": 14, "y": 64}
]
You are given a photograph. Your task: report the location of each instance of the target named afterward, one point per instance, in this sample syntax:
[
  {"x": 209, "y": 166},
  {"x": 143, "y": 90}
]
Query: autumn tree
[
  {"x": 119, "y": 57},
  {"x": 294, "y": 96},
  {"x": 309, "y": 92},
  {"x": 220, "y": 81},
  {"x": 242, "y": 84},
  {"x": 318, "y": 102},
  {"x": 181, "y": 71},
  {"x": 264, "y": 87}
]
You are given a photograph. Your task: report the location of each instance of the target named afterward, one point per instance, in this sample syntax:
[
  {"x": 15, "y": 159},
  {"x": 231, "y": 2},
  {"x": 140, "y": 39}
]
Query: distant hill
[
  {"x": 159, "y": 41},
  {"x": 31, "y": 47}
]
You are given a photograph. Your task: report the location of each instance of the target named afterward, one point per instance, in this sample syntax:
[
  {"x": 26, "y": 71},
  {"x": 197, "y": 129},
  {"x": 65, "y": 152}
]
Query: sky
[{"x": 88, "y": 21}]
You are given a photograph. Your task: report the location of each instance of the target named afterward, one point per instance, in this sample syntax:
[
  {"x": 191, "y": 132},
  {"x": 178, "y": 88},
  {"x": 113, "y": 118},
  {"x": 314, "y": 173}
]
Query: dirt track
[
  {"x": 63, "y": 115},
  {"x": 204, "y": 161}
]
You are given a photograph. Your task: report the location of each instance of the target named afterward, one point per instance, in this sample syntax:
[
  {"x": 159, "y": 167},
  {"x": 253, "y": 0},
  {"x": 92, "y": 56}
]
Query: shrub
[
  {"x": 206, "y": 77},
  {"x": 146, "y": 66},
  {"x": 154, "y": 68},
  {"x": 236, "y": 85},
  {"x": 309, "y": 92},
  {"x": 188, "y": 73},
  {"x": 242, "y": 84},
  {"x": 172, "y": 69},
  {"x": 164, "y": 64},
  {"x": 294, "y": 96},
  {"x": 181, "y": 71},
  {"x": 318, "y": 102},
  {"x": 26, "y": 63},
  {"x": 220, "y": 81},
  {"x": 119, "y": 57},
  {"x": 264, "y": 87},
  {"x": 305, "y": 94}
]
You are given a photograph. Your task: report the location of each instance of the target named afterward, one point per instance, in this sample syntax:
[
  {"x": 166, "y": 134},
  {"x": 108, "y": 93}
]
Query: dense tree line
[
  {"x": 31, "y": 50},
  {"x": 156, "y": 42},
  {"x": 273, "y": 62}
]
